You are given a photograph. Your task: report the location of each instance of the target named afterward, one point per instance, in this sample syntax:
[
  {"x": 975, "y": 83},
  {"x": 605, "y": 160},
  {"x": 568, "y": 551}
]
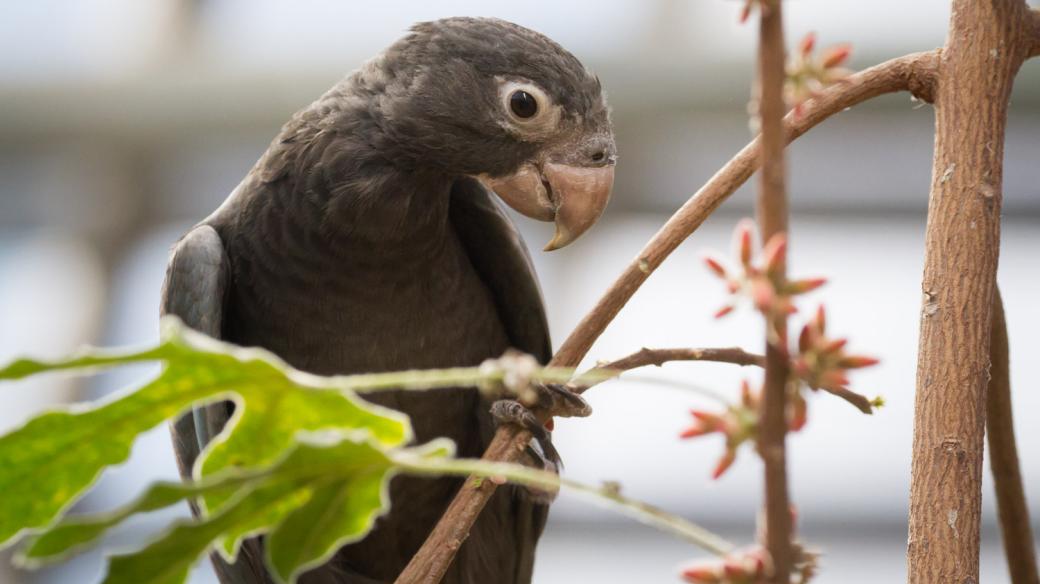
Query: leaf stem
[{"x": 610, "y": 497}]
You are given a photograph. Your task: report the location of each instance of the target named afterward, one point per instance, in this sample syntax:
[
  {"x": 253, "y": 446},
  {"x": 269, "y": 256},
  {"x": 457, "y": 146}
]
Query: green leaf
[
  {"x": 51, "y": 460},
  {"x": 76, "y": 531},
  {"x": 331, "y": 489}
]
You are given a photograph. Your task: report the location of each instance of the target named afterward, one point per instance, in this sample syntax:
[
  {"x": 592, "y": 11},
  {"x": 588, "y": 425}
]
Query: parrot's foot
[
  {"x": 507, "y": 411},
  {"x": 541, "y": 453},
  {"x": 551, "y": 397}
]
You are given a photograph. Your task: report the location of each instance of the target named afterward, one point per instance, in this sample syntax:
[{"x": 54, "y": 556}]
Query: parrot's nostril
[{"x": 598, "y": 156}]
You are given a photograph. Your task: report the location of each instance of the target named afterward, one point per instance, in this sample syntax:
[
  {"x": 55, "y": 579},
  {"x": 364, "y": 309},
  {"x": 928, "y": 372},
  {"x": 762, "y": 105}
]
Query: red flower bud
[
  {"x": 833, "y": 378},
  {"x": 821, "y": 319},
  {"x": 702, "y": 573},
  {"x": 807, "y": 285},
  {"x": 724, "y": 463},
  {"x": 807, "y": 43},
  {"x": 745, "y": 12},
  {"x": 716, "y": 267},
  {"x": 836, "y": 55},
  {"x": 724, "y": 311},
  {"x": 694, "y": 431},
  {"x": 707, "y": 418},
  {"x": 805, "y": 339},
  {"x": 743, "y": 240},
  {"x": 834, "y": 345},
  {"x": 746, "y": 397}
]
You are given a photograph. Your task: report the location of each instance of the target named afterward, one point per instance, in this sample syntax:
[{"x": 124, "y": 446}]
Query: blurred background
[{"x": 124, "y": 122}]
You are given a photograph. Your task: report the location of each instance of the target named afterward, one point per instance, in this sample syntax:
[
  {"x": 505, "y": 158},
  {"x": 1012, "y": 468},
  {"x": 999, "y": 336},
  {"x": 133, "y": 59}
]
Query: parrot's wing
[
  {"x": 194, "y": 291},
  {"x": 501, "y": 258},
  {"x": 498, "y": 253}
]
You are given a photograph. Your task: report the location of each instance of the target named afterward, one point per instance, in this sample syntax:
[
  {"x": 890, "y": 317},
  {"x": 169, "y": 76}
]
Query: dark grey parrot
[{"x": 367, "y": 238}]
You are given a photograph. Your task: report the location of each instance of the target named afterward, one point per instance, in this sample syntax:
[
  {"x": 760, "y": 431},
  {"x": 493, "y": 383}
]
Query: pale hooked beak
[{"x": 572, "y": 196}]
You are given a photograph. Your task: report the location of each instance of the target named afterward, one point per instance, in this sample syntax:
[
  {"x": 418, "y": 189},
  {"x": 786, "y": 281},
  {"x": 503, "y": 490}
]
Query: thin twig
[
  {"x": 735, "y": 355},
  {"x": 657, "y": 357},
  {"x": 1003, "y": 461},
  {"x": 859, "y": 400},
  {"x": 607, "y": 495},
  {"x": 915, "y": 73}
]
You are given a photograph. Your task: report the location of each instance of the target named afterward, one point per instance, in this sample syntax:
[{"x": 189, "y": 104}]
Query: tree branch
[
  {"x": 1007, "y": 478},
  {"x": 915, "y": 72},
  {"x": 1034, "y": 50},
  {"x": 986, "y": 44},
  {"x": 858, "y": 400},
  {"x": 734, "y": 355},
  {"x": 658, "y": 357},
  {"x": 772, "y": 214}
]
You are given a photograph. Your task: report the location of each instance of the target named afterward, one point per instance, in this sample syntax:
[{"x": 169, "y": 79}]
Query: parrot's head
[{"x": 501, "y": 103}]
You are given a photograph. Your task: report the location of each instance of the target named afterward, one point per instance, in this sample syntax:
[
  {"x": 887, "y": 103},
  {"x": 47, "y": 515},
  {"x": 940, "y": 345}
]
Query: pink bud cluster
[
  {"x": 809, "y": 74},
  {"x": 738, "y": 424},
  {"x": 822, "y": 361},
  {"x": 763, "y": 282}
]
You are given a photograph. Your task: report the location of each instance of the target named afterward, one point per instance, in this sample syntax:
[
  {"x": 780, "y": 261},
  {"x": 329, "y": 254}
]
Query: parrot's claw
[
  {"x": 541, "y": 451},
  {"x": 561, "y": 401},
  {"x": 507, "y": 411},
  {"x": 550, "y": 397}
]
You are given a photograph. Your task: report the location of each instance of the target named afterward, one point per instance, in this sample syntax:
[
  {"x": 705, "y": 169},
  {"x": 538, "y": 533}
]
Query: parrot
[{"x": 369, "y": 237}]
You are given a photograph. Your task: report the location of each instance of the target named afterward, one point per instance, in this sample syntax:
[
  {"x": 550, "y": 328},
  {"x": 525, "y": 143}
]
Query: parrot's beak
[
  {"x": 580, "y": 195},
  {"x": 572, "y": 196}
]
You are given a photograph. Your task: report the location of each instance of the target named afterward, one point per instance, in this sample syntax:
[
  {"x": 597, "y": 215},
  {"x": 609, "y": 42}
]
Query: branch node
[{"x": 922, "y": 76}]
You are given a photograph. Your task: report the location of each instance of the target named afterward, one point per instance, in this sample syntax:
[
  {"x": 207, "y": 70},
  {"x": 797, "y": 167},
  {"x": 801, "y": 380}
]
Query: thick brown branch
[
  {"x": 915, "y": 72},
  {"x": 1003, "y": 461},
  {"x": 986, "y": 44}
]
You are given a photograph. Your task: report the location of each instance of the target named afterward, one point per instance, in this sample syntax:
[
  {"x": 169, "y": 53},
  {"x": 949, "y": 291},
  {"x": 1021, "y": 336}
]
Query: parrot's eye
[
  {"x": 530, "y": 113},
  {"x": 523, "y": 104}
]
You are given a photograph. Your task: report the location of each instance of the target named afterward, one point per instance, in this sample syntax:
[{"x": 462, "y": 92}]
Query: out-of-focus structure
[{"x": 123, "y": 122}]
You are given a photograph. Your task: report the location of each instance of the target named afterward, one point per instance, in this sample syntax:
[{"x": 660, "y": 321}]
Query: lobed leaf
[
  {"x": 51, "y": 460},
  {"x": 330, "y": 493},
  {"x": 76, "y": 531}
]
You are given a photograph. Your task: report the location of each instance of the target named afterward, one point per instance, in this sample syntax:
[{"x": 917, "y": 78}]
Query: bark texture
[{"x": 986, "y": 44}]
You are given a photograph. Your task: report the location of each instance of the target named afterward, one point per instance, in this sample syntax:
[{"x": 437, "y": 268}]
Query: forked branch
[{"x": 915, "y": 73}]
